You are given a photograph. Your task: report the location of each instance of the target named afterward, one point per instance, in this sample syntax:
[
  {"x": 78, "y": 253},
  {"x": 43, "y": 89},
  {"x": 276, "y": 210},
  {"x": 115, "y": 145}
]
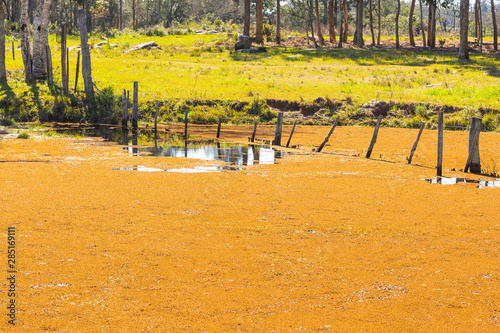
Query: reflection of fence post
[
  {"x": 422, "y": 125},
  {"x": 218, "y": 127},
  {"x": 185, "y": 124},
  {"x": 474, "y": 162},
  {"x": 440, "y": 145},
  {"x": 252, "y": 139},
  {"x": 327, "y": 137},
  {"x": 291, "y": 134},
  {"x": 135, "y": 104},
  {"x": 279, "y": 128},
  {"x": 374, "y": 137}
]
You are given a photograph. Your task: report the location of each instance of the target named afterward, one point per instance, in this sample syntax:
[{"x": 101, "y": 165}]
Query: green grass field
[{"x": 204, "y": 67}]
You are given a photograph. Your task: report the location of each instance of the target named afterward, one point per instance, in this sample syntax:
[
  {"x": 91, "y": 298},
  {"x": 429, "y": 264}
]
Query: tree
[
  {"x": 3, "y": 72},
  {"x": 86, "y": 65},
  {"x": 431, "y": 28},
  {"x": 410, "y": 23},
  {"x": 463, "y": 50},
  {"x": 371, "y": 22},
  {"x": 422, "y": 24},
  {"x": 358, "y": 34},
  {"x": 40, "y": 39},
  {"x": 346, "y": 21},
  {"x": 331, "y": 21},
  {"x": 397, "y": 23},
  {"x": 493, "y": 18},
  {"x": 379, "y": 30},
  {"x": 26, "y": 40},
  {"x": 278, "y": 22},
  {"x": 259, "y": 39},
  {"x": 309, "y": 2},
  {"x": 320, "y": 35},
  {"x": 246, "y": 24}
]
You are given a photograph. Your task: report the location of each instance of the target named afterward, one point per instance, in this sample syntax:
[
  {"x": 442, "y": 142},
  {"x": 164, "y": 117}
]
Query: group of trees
[{"x": 33, "y": 18}]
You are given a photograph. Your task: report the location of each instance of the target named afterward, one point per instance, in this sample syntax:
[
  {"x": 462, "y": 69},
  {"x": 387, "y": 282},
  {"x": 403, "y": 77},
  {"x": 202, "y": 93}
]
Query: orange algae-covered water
[{"x": 318, "y": 242}]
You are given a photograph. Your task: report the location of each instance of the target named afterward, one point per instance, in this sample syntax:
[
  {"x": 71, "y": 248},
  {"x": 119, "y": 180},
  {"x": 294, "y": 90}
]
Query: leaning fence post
[
  {"x": 327, "y": 137},
  {"x": 135, "y": 104},
  {"x": 374, "y": 137},
  {"x": 291, "y": 134},
  {"x": 440, "y": 145},
  {"x": 279, "y": 128},
  {"x": 125, "y": 109},
  {"x": 77, "y": 69},
  {"x": 422, "y": 126},
  {"x": 252, "y": 139},
  {"x": 218, "y": 127},
  {"x": 475, "y": 163}
]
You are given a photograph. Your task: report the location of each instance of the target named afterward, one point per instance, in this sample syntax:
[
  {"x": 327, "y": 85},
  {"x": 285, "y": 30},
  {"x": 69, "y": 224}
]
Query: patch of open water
[{"x": 454, "y": 181}]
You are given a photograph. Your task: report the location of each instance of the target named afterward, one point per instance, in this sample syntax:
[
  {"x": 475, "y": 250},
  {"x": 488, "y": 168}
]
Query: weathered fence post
[
  {"x": 374, "y": 137},
  {"x": 291, "y": 134},
  {"x": 185, "y": 124},
  {"x": 67, "y": 67},
  {"x": 50, "y": 75},
  {"x": 440, "y": 145},
  {"x": 218, "y": 127},
  {"x": 64, "y": 72},
  {"x": 327, "y": 137},
  {"x": 156, "y": 115},
  {"x": 135, "y": 105},
  {"x": 13, "y": 53},
  {"x": 125, "y": 109},
  {"x": 252, "y": 139},
  {"x": 422, "y": 126},
  {"x": 77, "y": 70},
  {"x": 279, "y": 129},
  {"x": 474, "y": 132}
]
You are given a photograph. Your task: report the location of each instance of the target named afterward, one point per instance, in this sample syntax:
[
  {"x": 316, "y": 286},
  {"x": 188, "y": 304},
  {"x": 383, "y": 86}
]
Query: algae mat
[{"x": 318, "y": 242}]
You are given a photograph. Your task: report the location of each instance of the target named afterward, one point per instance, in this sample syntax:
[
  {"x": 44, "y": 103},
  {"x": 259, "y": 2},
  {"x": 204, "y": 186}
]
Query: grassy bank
[{"x": 204, "y": 67}]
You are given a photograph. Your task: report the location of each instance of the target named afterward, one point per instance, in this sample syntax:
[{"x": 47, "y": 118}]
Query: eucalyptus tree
[
  {"x": 358, "y": 34},
  {"x": 463, "y": 50}
]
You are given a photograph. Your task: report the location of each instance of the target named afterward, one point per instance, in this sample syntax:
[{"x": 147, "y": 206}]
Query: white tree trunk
[{"x": 86, "y": 67}]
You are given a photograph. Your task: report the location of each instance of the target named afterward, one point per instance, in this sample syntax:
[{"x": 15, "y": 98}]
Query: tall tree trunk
[
  {"x": 310, "y": 5},
  {"x": 341, "y": 26},
  {"x": 331, "y": 21},
  {"x": 358, "y": 34},
  {"x": 121, "y": 15},
  {"x": 305, "y": 21},
  {"x": 134, "y": 25},
  {"x": 397, "y": 23},
  {"x": 410, "y": 23},
  {"x": 246, "y": 24},
  {"x": 320, "y": 35},
  {"x": 476, "y": 21},
  {"x": 86, "y": 66},
  {"x": 422, "y": 24},
  {"x": 463, "y": 50},
  {"x": 346, "y": 21},
  {"x": 3, "y": 72},
  {"x": 259, "y": 38},
  {"x": 379, "y": 29},
  {"x": 41, "y": 39},
  {"x": 278, "y": 22},
  {"x": 371, "y": 22},
  {"x": 480, "y": 27},
  {"x": 431, "y": 28},
  {"x": 26, "y": 41},
  {"x": 494, "y": 19}
]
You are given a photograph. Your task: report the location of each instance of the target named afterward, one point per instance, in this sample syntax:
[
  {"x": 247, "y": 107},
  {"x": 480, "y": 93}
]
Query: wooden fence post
[
  {"x": 64, "y": 72},
  {"x": 67, "y": 67},
  {"x": 135, "y": 105},
  {"x": 279, "y": 129},
  {"x": 422, "y": 126},
  {"x": 125, "y": 109},
  {"x": 327, "y": 137},
  {"x": 156, "y": 115},
  {"x": 252, "y": 139},
  {"x": 185, "y": 124},
  {"x": 77, "y": 70},
  {"x": 374, "y": 137},
  {"x": 218, "y": 127},
  {"x": 13, "y": 53},
  {"x": 50, "y": 75},
  {"x": 440, "y": 145},
  {"x": 474, "y": 131},
  {"x": 291, "y": 134}
]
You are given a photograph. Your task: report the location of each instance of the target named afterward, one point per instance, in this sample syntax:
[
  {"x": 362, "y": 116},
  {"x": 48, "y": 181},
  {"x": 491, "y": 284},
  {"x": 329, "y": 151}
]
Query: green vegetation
[{"x": 192, "y": 68}]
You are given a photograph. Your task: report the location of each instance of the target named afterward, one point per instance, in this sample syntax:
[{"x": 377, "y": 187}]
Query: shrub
[{"x": 23, "y": 135}]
